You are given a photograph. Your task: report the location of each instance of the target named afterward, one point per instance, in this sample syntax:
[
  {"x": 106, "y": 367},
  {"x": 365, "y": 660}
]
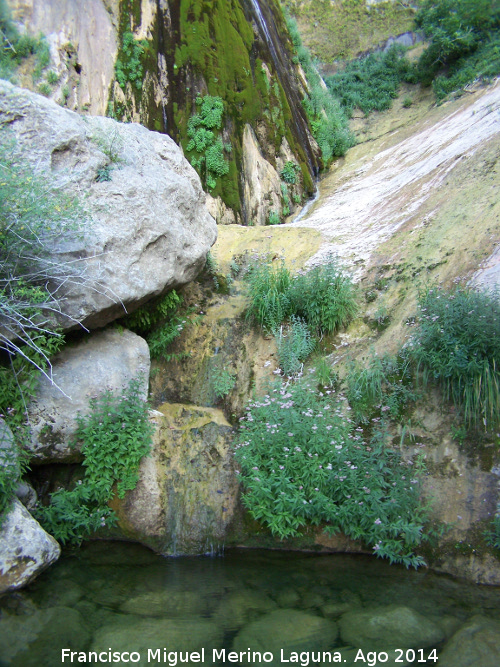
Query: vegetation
[
  {"x": 289, "y": 172},
  {"x": 160, "y": 322},
  {"x": 222, "y": 380},
  {"x": 371, "y": 83},
  {"x": 295, "y": 343},
  {"x": 382, "y": 388},
  {"x": 302, "y": 462},
  {"x": 114, "y": 437},
  {"x": 128, "y": 66},
  {"x": 328, "y": 121},
  {"x": 208, "y": 157},
  {"x": 457, "y": 346},
  {"x": 14, "y": 48}
]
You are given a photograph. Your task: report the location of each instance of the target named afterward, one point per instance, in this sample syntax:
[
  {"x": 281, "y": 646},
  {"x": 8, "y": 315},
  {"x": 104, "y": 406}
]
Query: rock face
[
  {"x": 389, "y": 627},
  {"x": 476, "y": 643},
  {"x": 104, "y": 360},
  {"x": 25, "y": 549},
  {"x": 261, "y": 193},
  {"x": 150, "y": 229},
  {"x": 187, "y": 491}
]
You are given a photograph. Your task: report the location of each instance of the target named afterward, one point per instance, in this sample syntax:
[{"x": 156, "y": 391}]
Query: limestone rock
[
  {"x": 140, "y": 634},
  {"x": 220, "y": 212},
  {"x": 262, "y": 185},
  {"x": 187, "y": 490},
  {"x": 107, "y": 359},
  {"x": 25, "y": 548},
  {"x": 476, "y": 643},
  {"x": 24, "y": 638},
  {"x": 389, "y": 627},
  {"x": 150, "y": 230},
  {"x": 289, "y": 630}
]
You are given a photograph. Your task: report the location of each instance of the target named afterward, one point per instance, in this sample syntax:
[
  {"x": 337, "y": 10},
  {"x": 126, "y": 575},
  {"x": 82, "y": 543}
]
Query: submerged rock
[
  {"x": 241, "y": 607},
  {"x": 105, "y": 360},
  {"x": 32, "y": 639},
  {"x": 187, "y": 491},
  {"x": 25, "y": 548},
  {"x": 476, "y": 644},
  {"x": 168, "y": 603},
  {"x": 289, "y": 630},
  {"x": 145, "y": 228},
  {"x": 389, "y": 627}
]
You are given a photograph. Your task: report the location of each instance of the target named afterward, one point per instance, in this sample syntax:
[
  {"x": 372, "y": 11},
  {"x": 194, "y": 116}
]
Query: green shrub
[
  {"x": 289, "y": 172},
  {"x": 14, "y": 48},
  {"x": 383, "y": 387},
  {"x": 273, "y": 218},
  {"x": 13, "y": 462},
  {"x": 294, "y": 343},
  {"x": 222, "y": 381},
  {"x": 493, "y": 535},
  {"x": 269, "y": 286},
  {"x": 372, "y": 82},
  {"x": 115, "y": 436},
  {"x": 457, "y": 345},
  {"x": 128, "y": 66},
  {"x": 325, "y": 297},
  {"x": 301, "y": 462}
]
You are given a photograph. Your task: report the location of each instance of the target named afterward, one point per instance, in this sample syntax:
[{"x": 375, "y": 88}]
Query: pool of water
[{"x": 113, "y": 602}]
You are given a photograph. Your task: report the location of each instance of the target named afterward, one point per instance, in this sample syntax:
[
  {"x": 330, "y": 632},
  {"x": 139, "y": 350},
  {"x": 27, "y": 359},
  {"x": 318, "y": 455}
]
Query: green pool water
[{"x": 121, "y": 602}]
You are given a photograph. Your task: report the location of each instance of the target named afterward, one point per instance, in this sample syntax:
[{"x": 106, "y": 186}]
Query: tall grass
[{"x": 457, "y": 345}]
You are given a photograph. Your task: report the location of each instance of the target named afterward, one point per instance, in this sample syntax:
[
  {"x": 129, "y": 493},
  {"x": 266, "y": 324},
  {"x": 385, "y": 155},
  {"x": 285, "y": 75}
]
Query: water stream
[{"x": 122, "y": 597}]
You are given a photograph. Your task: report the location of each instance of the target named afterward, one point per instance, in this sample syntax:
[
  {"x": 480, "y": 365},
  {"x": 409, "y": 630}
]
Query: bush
[
  {"x": 14, "y": 48},
  {"x": 289, "y": 172},
  {"x": 128, "y": 65},
  {"x": 295, "y": 343},
  {"x": 371, "y": 83},
  {"x": 457, "y": 345},
  {"x": 384, "y": 387},
  {"x": 115, "y": 435},
  {"x": 325, "y": 297},
  {"x": 302, "y": 463},
  {"x": 269, "y": 286}
]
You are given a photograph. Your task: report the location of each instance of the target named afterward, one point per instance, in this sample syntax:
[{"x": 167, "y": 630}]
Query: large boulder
[
  {"x": 477, "y": 643},
  {"x": 389, "y": 627},
  {"x": 25, "y": 548},
  {"x": 145, "y": 231},
  {"x": 187, "y": 492},
  {"x": 108, "y": 359}
]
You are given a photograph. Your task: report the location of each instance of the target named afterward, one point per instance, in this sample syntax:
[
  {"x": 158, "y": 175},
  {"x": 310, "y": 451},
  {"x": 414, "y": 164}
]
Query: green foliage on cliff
[
  {"x": 14, "y": 48},
  {"x": 457, "y": 346},
  {"x": 114, "y": 437},
  {"x": 128, "y": 66},
  {"x": 302, "y": 463}
]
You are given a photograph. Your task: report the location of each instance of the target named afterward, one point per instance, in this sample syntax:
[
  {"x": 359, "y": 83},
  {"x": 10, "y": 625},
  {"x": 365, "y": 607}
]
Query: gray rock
[
  {"x": 389, "y": 627},
  {"x": 476, "y": 644},
  {"x": 133, "y": 633},
  {"x": 25, "y": 548},
  {"x": 243, "y": 606},
  {"x": 30, "y": 640},
  {"x": 172, "y": 604},
  {"x": 150, "y": 230},
  {"x": 289, "y": 630},
  {"x": 107, "y": 359},
  {"x": 26, "y": 494}
]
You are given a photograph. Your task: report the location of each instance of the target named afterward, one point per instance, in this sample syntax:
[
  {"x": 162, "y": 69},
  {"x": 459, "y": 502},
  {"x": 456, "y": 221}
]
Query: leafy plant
[
  {"x": 493, "y": 534},
  {"x": 269, "y": 287},
  {"x": 13, "y": 462},
  {"x": 222, "y": 381},
  {"x": 289, "y": 172},
  {"x": 209, "y": 157},
  {"x": 457, "y": 345},
  {"x": 301, "y": 462},
  {"x": 295, "y": 343},
  {"x": 14, "y": 47},
  {"x": 104, "y": 174},
  {"x": 128, "y": 65},
  {"x": 383, "y": 387},
  {"x": 273, "y": 218},
  {"x": 114, "y": 437},
  {"x": 325, "y": 297}
]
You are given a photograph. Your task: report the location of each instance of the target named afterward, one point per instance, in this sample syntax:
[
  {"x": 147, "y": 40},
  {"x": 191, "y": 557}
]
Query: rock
[
  {"x": 107, "y": 359},
  {"x": 26, "y": 494},
  {"x": 30, "y": 640},
  {"x": 289, "y": 630},
  {"x": 220, "y": 212},
  {"x": 262, "y": 185},
  {"x": 476, "y": 644},
  {"x": 241, "y": 607},
  {"x": 26, "y": 549},
  {"x": 389, "y": 627},
  {"x": 353, "y": 658},
  {"x": 172, "y": 604},
  {"x": 187, "y": 490},
  {"x": 133, "y": 633},
  {"x": 150, "y": 229}
]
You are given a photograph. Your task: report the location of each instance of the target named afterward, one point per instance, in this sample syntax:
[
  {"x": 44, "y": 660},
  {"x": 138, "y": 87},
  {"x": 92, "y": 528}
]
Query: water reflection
[{"x": 121, "y": 597}]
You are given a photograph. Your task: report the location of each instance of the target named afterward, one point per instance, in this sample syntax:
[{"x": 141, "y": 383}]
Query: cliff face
[{"x": 153, "y": 62}]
